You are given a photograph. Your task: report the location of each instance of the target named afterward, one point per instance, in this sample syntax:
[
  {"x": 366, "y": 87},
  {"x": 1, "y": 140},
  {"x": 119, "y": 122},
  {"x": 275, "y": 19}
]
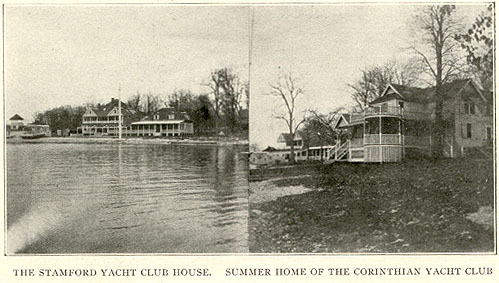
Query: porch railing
[
  {"x": 341, "y": 150},
  {"x": 382, "y": 139},
  {"x": 380, "y": 110},
  {"x": 356, "y": 142}
]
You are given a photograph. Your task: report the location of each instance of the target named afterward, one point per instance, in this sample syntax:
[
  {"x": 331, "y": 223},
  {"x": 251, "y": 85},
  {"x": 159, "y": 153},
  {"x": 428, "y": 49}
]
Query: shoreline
[
  {"x": 374, "y": 208},
  {"x": 109, "y": 140}
]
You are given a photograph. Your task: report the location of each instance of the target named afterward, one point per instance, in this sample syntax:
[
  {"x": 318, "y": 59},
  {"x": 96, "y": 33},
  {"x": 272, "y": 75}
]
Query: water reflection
[{"x": 68, "y": 198}]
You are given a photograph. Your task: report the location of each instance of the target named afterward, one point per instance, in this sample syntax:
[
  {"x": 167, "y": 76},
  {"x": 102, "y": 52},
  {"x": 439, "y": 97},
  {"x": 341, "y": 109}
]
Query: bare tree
[
  {"x": 319, "y": 126},
  {"x": 227, "y": 90},
  {"x": 153, "y": 103},
  {"x": 134, "y": 102},
  {"x": 374, "y": 80},
  {"x": 439, "y": 27},
  {"x": 287, "y": 89}
]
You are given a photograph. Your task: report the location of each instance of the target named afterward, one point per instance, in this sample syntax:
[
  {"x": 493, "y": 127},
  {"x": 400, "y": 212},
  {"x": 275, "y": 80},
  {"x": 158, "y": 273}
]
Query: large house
[
  {"x": 164, "y": 122},
  {"x": 103, "y": 120},
  {"x": 399, "y": 124}
]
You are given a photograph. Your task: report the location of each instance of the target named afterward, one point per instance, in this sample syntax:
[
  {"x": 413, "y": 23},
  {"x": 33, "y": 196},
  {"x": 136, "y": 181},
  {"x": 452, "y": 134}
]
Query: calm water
[{"x": 112, "y": 198}]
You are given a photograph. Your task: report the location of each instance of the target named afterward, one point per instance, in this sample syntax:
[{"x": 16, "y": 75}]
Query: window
[
  {"x": 469, "y": 108},
  {"x": 401, "y": 104},
  {"x": 156, "y": 117},
  {"x": 384, "y": 107},
  {"x": 171, "y": 117},
  {"x": 468, "y": 130}
]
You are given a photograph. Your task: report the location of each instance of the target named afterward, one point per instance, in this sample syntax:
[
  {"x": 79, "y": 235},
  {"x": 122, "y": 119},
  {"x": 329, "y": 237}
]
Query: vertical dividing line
[{"x": 251, "y": 24}]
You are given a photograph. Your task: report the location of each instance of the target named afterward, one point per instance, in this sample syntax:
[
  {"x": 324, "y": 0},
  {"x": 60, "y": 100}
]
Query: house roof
[
  {"x": 273, "y": 149},
  {"x": 269, "y": 148},
  {"x": 103, "y": 110},
  {"x": 150, "y": 122},
  {"x": 165, "y": 115},
  {"x": 424, "y": 95},
  {"x": 16, "y": 118},
  {"x": 345, "y": 117},
  {"x": 286, "y": 137}
]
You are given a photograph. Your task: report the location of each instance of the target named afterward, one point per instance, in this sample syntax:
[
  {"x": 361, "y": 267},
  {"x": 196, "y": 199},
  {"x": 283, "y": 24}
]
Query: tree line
[{"x": 218, "y": 110}]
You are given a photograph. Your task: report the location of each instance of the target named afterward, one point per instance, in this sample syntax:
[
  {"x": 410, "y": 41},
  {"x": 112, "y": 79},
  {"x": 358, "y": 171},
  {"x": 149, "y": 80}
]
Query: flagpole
[{"x": 119, "y": 112}]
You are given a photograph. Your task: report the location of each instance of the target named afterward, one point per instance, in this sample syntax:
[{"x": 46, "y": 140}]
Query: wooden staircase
[{"x": 338, "y": 153}]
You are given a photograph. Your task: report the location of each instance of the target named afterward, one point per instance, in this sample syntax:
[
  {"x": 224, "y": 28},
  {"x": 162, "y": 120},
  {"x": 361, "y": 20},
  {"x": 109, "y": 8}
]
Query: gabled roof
[
  {"x": 286, "y": 137},
  {"x": 16, "y": 118},
  {"x": 273, "y": 149},
  {"x": 345, "y": 117},
  {"x": 165, "y": 115},
  {"x": 104, "y": 110},
  {"x": 269, "y": 149},
  {"x": 424, "y": 95}
]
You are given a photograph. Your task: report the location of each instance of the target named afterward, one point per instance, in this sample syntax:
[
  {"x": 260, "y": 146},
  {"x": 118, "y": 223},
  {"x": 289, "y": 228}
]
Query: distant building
[
  {"x": 103, "y": 120},
  {"x": 285, "y": 138},
  {"x": 16, "y": 122},
  {"x": 166, "y": 122},
  {"x": 17, "y": 128}
]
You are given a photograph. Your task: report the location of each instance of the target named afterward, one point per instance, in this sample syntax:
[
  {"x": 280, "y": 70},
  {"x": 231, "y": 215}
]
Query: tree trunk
[
  {"x": 292, "y": 148},
  {"x": 439, "y": 129}
]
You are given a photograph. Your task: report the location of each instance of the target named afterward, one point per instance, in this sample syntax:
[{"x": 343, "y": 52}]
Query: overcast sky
[
  {"x": 69, "y": 55},
  {"x": 324, "y": 47}
]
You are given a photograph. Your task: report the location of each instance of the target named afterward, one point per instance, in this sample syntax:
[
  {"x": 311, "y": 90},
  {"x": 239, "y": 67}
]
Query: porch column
[
  {"x": 401, "y": 137},
  {"x": 364, "y": 132},
  {"x": 380, "y": 147}
]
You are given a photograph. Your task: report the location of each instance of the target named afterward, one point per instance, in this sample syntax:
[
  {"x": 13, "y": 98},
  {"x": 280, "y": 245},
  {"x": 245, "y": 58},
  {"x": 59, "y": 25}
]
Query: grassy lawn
[{"x": 413, "y": 206}]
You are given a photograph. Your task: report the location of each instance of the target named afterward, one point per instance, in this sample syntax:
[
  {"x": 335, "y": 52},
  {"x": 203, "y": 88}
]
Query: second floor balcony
[{"x": 387, "y": 111}]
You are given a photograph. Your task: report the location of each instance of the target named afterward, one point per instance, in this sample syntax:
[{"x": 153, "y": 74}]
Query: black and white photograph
[
  {"x": 372, "y": 129},
  {"x": 247, "y": 130},
  {"x": 126, "y": 129}
]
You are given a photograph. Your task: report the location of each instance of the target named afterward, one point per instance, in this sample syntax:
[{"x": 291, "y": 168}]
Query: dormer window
[
  {"x": 171, "y": 117},
  {"x": 156, "y": 117}
]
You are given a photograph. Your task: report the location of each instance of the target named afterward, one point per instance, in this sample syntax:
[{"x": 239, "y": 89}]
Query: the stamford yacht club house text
[{"x": 256, "y": 272}]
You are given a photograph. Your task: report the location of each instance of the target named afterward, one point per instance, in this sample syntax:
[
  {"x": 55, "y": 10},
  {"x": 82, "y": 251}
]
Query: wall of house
[
  {"x": 260, "y": 158},
  {"x": 409, "y": 106},
  {"x": 479, "y": 121}
]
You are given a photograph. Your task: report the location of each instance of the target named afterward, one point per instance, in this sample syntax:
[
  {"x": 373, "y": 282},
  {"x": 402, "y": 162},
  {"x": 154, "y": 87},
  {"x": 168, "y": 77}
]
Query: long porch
[{"x": 148, "y": 130}]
